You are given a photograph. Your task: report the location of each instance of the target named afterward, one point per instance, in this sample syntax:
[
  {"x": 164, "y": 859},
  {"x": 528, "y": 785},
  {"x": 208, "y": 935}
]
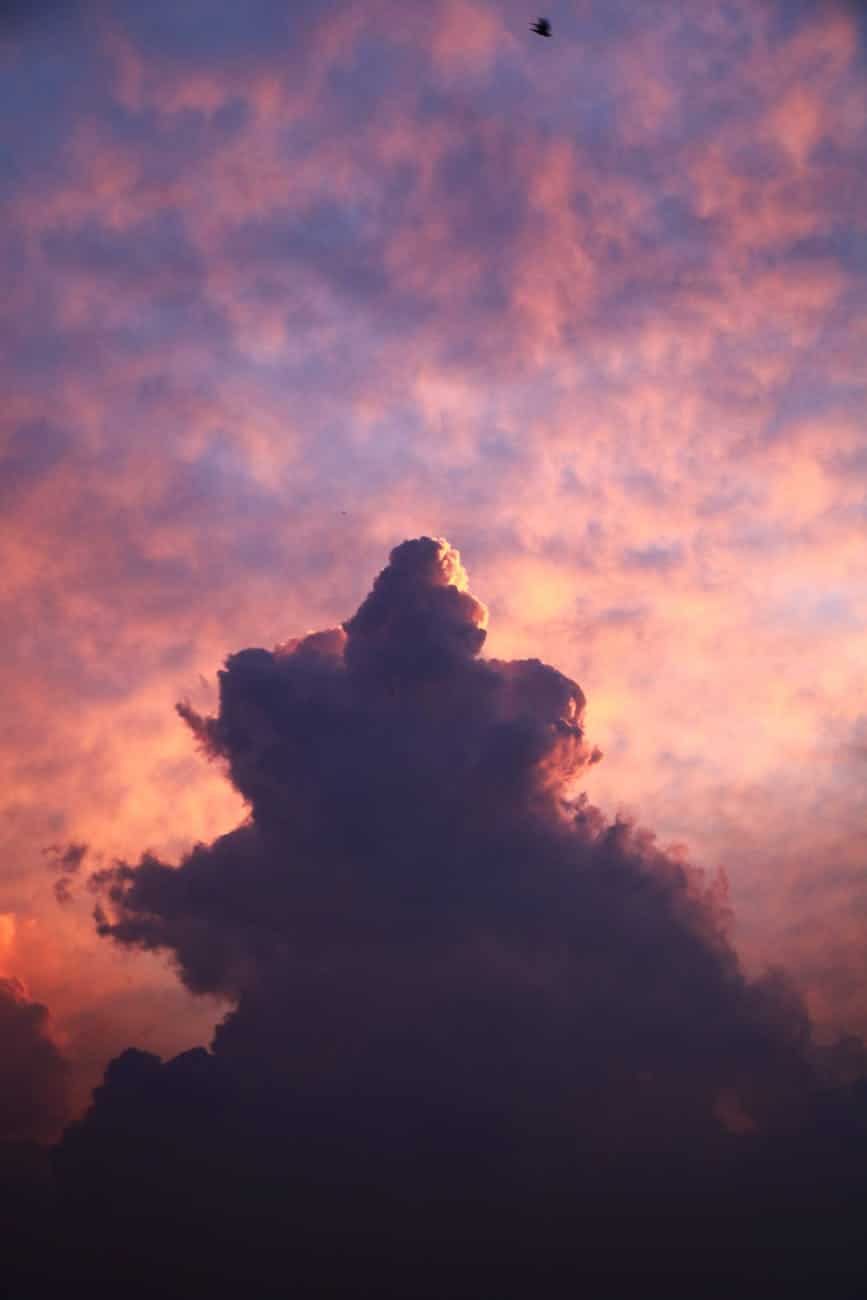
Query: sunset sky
[{"x": 287, "y": 284}]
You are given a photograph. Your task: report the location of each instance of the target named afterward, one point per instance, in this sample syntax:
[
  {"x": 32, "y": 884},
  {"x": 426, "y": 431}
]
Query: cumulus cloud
[
  {"x": 454, "y": 982},
  {"x": 411, "y": 837},
  {"x": 34, "y": 1103}
]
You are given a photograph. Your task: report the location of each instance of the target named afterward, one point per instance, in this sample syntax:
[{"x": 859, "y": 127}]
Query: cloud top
[
  {"x": 418, "y": 904},
  {"x": 468, "y": 1015}
]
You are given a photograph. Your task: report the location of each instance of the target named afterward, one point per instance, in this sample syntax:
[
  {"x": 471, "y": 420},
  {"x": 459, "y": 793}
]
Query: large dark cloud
[
  {"x": 34, "y": 1106},
  {"x": 469, "y": 1015},
  {"x": 34, "y": 1103},
  {"x": 409, "y": 840}
]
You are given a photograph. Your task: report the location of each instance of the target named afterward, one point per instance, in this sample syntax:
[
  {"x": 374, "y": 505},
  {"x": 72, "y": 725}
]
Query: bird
[{"x": 541, "y": 27}]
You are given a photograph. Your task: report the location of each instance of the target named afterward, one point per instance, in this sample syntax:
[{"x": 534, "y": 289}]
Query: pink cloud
[{"x": 599, "y": 317}]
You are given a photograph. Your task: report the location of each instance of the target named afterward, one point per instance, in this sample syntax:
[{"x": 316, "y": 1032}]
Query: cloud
[
  {"x": 270, "y": 267},
  {"x": 34, "y": 1102},
  {"x": 68, "y": 861},
  {"x": 659, "y": 557},
  {"x": 454, "y": 982},
  {"x": 403, "y": 789}
]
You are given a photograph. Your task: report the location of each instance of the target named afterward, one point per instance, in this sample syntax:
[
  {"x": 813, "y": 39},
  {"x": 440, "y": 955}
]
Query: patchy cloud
[
  {"x": 68, "y": 862},
  {"x": 655, "y": 558}
]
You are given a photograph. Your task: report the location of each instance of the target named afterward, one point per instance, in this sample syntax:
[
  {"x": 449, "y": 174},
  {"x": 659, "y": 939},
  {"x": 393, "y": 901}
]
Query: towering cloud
[
  {"x": 414, "y": 872},
  {"x": 456, "y": 989}
]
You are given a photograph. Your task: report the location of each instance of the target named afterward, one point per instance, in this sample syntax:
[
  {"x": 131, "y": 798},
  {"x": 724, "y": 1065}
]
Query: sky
[{"x": 288, "y": 285}]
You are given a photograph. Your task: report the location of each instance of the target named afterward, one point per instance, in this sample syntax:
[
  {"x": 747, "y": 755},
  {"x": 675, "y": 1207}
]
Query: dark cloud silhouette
[
  {"x": 67, "y": 860},
  {"x": 410, "y": 839},
  {"x": 470, "y": 1016},
  {"x": 33, "y": 1073}
]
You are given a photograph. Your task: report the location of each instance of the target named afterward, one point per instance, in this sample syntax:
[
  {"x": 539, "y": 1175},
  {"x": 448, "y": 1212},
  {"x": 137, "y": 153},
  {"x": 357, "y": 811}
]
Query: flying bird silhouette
[{"x": 541, "y": 27}]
